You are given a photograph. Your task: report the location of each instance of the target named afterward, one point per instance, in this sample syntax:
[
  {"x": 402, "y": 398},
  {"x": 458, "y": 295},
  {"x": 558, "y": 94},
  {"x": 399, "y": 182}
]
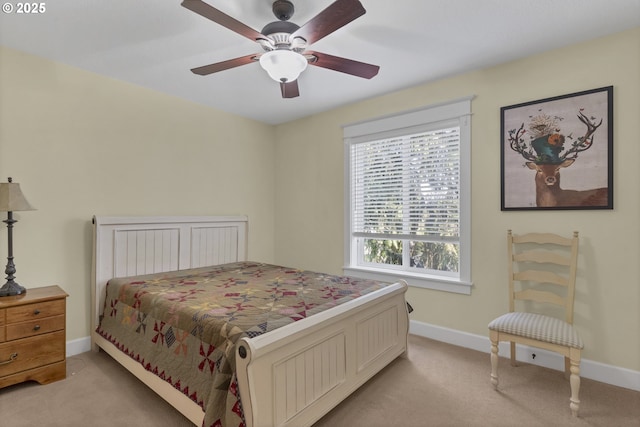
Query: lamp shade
[
  {"x": 12, "y": 199},
  {"x": 283, "y": 65}
]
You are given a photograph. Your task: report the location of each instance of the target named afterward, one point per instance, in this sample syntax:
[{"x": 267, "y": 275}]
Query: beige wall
[
  {"x": 83, "y": 145},
  {"x": 310, "y": 196}
]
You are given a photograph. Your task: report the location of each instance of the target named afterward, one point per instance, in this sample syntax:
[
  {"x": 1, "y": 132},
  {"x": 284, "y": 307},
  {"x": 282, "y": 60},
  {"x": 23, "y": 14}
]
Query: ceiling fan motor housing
[{"x": 279, "y": 32}]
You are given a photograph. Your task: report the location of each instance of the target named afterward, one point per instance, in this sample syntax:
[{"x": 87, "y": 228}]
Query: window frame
[{"x": 427, "y": 118}]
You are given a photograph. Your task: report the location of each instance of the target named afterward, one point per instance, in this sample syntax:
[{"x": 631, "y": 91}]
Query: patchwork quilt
[{"x": 183, "y": 325}]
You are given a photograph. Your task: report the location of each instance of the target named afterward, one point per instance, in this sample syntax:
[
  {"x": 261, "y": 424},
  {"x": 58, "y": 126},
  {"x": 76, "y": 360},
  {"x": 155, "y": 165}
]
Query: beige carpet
[{"x": 436, "y": 385}]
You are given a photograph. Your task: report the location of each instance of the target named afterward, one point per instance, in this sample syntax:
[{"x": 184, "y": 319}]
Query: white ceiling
[{"x": 155, "y": 43}]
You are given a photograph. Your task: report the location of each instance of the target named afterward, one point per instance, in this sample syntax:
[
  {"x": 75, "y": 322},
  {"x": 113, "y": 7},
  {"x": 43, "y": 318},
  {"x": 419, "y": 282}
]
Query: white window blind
[{"x": 408, "y": 186}]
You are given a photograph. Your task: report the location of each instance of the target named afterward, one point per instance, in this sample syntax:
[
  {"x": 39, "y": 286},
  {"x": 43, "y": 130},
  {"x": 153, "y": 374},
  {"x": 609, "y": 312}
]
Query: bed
[{"x": 286, "y": 376}]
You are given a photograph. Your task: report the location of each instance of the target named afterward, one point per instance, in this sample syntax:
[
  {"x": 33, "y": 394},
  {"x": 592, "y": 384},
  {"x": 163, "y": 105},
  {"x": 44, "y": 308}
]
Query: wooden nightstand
[{"x": 32, "y": 336}]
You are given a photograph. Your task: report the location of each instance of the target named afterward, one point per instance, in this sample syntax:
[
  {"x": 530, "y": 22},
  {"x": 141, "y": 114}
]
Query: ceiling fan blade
[
  {"x": 210, "y": 12},
  {"x": 289, "y": 89},
  {"x": 344, "y": 65},
  {"x": 225, "y": 65},
  {"x": 336, "y": 16}
]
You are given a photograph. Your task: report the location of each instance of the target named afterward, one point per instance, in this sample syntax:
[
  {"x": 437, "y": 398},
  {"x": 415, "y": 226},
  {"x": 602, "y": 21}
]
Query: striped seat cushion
[{"x": 539, "y": 327}]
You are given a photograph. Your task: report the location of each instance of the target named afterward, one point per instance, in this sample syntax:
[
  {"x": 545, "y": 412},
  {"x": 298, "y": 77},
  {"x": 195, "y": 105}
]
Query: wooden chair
[{"x": 539, "y": 263}]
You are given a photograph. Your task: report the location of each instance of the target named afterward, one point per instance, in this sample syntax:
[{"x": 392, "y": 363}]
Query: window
[{"x": 408, "y": 190}]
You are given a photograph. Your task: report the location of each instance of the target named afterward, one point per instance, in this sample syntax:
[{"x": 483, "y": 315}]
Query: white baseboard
[
  {"x": 597, "y": 371},
  {"x": 77, "y": 346}
]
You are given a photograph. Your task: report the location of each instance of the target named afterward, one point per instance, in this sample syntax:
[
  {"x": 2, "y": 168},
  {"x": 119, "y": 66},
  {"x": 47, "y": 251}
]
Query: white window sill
[{"x": 414, "y": 280}]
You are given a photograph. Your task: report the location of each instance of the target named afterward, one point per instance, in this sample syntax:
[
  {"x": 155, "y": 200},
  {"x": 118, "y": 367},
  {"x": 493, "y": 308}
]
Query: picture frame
[{"x": 568, "y": 136}]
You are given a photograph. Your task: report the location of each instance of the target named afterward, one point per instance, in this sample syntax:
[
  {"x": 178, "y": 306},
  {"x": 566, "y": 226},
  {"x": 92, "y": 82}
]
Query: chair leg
[
  {"x": 493, "y": 336},
  {"x": 513, "y": 354},
  {"x": 574, "y": 381}
]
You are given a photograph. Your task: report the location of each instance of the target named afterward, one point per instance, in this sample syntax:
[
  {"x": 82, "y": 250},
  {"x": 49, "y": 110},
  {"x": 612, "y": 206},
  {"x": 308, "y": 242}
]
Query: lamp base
[{"x": 12, "y": 288}]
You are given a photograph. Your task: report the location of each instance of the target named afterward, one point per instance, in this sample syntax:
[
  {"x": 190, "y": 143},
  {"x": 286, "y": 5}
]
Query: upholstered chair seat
[{"x": 538, "y": 327}]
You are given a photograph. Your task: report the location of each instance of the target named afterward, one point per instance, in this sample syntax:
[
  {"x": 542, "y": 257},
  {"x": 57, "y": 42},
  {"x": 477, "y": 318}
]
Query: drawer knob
[
  {"x": 36, "y": 311},
  {"x": 13, "y": 357},
  {"x": 36, "y": 328}
]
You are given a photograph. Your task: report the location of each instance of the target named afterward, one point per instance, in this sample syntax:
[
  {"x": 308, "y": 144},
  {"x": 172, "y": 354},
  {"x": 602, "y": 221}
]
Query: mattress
[{"x": 183, "y": 325}]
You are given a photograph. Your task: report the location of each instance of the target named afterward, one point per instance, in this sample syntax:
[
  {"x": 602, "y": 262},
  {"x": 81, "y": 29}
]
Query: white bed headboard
[{"x": 131, "y": 246}]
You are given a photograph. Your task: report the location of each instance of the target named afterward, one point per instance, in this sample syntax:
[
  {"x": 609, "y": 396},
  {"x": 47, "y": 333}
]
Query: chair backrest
[{"x": 540, "y": 262}]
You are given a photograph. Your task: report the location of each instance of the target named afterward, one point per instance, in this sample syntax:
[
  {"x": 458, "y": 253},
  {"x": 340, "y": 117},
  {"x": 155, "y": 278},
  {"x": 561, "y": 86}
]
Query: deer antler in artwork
[
  {"x": 517, "y": 144},
  {"x": 584, "y": 142}
]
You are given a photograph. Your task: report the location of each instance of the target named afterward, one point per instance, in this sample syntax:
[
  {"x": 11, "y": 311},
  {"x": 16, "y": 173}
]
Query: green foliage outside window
[
  {"x": 428, "y": 255},
  {"x": 435, "y": 256},
  {"x": 383, "y": 251}
]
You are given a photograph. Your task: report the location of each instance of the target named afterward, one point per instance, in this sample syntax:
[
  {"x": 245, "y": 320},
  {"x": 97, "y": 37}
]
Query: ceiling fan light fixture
[{"x": 283, "y": 65}]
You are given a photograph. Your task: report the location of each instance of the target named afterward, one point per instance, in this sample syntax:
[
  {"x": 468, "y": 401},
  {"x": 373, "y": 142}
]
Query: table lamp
[{"x": 11, "y": 200}]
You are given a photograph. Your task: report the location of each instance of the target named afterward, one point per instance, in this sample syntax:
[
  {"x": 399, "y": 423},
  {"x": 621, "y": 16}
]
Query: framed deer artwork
[{"x": 569, "y": 136}]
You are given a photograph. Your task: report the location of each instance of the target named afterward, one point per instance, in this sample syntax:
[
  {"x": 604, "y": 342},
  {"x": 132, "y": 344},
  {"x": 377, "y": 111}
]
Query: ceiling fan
[{"x": 285, "y": 43}]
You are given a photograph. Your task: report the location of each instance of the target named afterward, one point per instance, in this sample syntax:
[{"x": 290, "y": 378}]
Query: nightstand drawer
[
  {"x": 35, "y": 327},
  {"x": 25, "y": 312},
  {"x": 33, "y": 352}
]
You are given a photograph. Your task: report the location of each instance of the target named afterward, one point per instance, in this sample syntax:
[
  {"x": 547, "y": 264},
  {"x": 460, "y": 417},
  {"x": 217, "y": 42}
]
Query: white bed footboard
[{"x": 294, "y": 375}]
